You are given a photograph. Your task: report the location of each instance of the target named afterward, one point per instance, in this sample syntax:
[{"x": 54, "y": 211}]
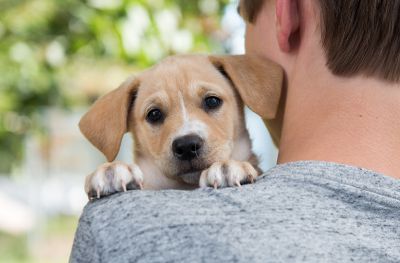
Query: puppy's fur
[{"x": 178, "y": 88}]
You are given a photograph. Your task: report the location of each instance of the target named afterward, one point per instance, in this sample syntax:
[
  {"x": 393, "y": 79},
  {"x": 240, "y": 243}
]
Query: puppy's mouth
[
  {"x": 191, "y": 174},
  {"x": 191, "y": 177}
]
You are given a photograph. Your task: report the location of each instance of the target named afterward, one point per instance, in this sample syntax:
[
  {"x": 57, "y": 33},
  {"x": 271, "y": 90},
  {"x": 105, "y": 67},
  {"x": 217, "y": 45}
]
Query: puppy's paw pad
[
  {"x": 226, "y": 174},
  {"x": 113, "y": 177}
]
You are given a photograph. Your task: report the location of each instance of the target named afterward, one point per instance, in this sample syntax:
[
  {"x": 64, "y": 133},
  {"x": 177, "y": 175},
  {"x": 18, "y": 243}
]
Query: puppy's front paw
[
  {"x": 113, "y": 177},
  {"x": 229, "y": 173}
]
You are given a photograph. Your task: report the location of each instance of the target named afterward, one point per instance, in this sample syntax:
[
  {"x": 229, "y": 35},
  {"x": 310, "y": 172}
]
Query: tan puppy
[{"x": 187, "y": 119}]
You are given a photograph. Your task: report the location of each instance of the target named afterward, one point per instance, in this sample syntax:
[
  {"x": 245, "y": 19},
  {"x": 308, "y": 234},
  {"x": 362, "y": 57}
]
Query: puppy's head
[{"x": 186, "y": 112}]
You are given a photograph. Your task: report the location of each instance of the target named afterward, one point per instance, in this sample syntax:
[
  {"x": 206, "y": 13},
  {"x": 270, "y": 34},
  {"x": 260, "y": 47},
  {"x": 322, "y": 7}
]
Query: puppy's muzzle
[{"x": 188, "y": 147}]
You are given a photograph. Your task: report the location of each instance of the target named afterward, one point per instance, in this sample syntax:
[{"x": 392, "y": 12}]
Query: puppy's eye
[
  {"x": 155, "y": 116},
  {"x": 211, "y": 103}
]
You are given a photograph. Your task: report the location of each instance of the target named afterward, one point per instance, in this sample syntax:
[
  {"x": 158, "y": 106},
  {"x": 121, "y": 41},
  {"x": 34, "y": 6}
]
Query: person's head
[
  {"x": 355, "y": 37},
  {"x": 342, "y": 77}
]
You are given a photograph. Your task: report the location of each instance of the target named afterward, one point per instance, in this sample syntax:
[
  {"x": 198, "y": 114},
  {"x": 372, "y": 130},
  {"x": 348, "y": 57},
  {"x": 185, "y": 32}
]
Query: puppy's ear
[
  {"x": 259, "y": 84},
  {"x": 107, "y": 120},
  {"x": 258, "y": 81}
]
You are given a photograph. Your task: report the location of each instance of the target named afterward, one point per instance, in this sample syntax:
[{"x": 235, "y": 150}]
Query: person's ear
[
  {"x": 287, "y": 23},
  {"x": 107, "y": 120},
  {"x": 258, "y": 81}
]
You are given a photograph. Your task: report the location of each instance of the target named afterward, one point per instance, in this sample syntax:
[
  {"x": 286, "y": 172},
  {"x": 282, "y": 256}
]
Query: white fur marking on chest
[
  {"x": 153, "y": 177},
  {"x": 242, "y": 148}
]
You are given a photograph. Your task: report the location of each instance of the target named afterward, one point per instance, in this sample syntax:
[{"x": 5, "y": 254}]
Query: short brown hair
[{"x": 359, "y": 36}]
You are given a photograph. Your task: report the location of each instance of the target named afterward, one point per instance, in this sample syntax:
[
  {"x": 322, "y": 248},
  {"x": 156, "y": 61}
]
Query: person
[{"x": 334, "y": 195}]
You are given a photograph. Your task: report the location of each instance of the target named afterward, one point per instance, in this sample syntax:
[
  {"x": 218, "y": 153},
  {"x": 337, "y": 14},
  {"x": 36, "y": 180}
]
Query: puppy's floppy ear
[
  {"x": 258, "y": 81},
  {"x": 107, "y": 120},
  {"x": 259, "y": 84}
]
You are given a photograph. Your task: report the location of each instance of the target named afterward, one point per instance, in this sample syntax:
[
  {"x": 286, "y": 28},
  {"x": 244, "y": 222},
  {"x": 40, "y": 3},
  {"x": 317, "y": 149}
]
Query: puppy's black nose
[{"x": 187, "y": 147}]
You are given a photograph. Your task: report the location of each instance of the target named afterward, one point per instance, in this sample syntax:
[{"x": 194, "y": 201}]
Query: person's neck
[{"x": 353, "y": 121}]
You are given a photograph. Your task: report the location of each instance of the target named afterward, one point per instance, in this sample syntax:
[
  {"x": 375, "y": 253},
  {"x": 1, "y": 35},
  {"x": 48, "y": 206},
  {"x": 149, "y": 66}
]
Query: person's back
[
  {"x": 342, "y": 68},
  {"x": 303, "y": 211}
]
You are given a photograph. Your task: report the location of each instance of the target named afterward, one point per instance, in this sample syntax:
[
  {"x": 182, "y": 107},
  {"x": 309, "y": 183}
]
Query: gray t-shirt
[{"x": 297, "y": 212}]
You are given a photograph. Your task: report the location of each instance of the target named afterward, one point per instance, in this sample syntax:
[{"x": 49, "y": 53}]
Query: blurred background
[{"x": 56, "y": 58}]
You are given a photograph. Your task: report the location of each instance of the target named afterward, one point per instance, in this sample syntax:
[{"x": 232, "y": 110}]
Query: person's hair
[{"x": 358, "y": 36}]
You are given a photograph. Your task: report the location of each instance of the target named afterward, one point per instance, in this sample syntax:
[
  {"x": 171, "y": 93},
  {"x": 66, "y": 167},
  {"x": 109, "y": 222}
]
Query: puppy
[{"x": 186, "y": 115}]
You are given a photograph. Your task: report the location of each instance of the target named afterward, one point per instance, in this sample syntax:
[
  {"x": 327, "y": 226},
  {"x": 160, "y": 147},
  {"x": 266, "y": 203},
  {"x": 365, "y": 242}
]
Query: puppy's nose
[{"x": 187, "y": 147}]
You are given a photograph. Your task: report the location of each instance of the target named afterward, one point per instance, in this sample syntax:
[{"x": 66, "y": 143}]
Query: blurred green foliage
[
  {"x": 46, "y": 44},
  {"x": 13, "y": 249}
]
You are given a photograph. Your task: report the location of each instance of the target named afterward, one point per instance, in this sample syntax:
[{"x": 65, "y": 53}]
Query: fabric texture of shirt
[{"x": 307, "y": 211}]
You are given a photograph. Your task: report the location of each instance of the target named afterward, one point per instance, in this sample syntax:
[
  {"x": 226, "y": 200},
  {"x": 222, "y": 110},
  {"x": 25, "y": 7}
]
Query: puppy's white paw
[
  {"x": 229, "y": 173},
  {"x": 113, "y": 177}
]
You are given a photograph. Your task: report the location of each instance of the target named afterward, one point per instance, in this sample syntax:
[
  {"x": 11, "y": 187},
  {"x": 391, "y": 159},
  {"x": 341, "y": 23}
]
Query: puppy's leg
[
  {"x": 228, "y": 173},
  {"x": 113, "y": 177}
]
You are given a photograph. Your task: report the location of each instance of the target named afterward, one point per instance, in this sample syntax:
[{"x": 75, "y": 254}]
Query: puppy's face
[
  {"x": 186, "y": 116},
  {"x": 186, "y": 112}
]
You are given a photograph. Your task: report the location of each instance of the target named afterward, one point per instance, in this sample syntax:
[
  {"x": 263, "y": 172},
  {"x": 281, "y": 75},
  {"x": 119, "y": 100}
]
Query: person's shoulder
[
  {"x": 308, "y": 182},
  {"x": 146, "y": 205},
  {"x": 277, "y": 182}
]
